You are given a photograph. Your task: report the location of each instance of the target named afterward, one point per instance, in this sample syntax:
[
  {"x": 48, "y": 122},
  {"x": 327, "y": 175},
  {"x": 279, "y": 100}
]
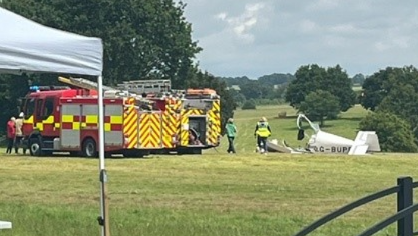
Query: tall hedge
[{"x": 395, "y": 134}]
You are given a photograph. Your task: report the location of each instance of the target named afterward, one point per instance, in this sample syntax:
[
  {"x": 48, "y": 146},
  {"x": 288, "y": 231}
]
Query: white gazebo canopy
[{"x": 28, "y": 46}]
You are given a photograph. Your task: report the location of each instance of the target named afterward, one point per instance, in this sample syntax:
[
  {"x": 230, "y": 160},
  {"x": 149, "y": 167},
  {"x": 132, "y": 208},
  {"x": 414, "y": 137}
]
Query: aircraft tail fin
[{"x": 366, "y": 141}]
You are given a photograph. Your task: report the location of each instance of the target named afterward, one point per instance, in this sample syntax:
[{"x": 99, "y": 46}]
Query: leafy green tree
[
  {"x": 12, "y": 88},
  {"x": 394, "y": 90},
  {"x": 142, "y": 39},
  {"x": 238, "y": 97},
  {"x": 253, "y": 90},
  {"x": 276, "y": 79},
  {"x": 206, "y": 80},
  {"x": 277, "y": 93},
  {"x": 235, "y": 81},
  {"x": 249, "y": 105},
  {"x": 311, "y": 78},
  {"x": 320, "y": 105},
  {"x": 403, "y": 101},
  {"x": 394, "y": 133},
  {"x": 358, "y": 79},
  {"x": 379, "y": 85}
]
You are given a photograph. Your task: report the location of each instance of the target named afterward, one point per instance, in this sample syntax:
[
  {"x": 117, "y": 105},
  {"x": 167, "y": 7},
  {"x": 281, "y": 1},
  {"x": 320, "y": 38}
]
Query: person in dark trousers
[
  {"x": 11, "y": 134},
  {"x": 231, "y": 133},
  {"x": 257, "y": 149},
  {"x": 19, "y": 133},
  {"x": 262, "y": 132}
]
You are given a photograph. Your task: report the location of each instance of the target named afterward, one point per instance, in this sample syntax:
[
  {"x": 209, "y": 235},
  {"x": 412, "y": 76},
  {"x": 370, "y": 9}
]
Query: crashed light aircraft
[{"x": 324, "y": 142}]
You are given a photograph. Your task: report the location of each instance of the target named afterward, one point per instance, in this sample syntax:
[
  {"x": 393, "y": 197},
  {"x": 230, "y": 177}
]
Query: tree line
[
  {"x": 151, "y": 39},
  {"x": 268, "y": 89},
  {"x": 390, "y": 94},
  {"x": 142, "y": 39}
]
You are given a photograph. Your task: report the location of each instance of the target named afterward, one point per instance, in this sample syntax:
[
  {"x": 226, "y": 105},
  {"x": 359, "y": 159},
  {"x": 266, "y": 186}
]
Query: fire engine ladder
[
  {"x": 87, "y": 84},
  {"x": 83, "y": 83},
  {"x": 146, "y": 86}
]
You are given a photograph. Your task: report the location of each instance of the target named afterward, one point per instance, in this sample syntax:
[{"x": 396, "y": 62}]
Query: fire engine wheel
[
  {"x": 89, "y": 148},
  {"x": 35, "y": 147}
]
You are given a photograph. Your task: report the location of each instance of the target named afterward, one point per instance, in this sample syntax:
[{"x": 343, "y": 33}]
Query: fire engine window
[
  {"x": 29, "y": 108},
  {"x": 39, "y": 108},
  {"x": 48, "y": 108}
]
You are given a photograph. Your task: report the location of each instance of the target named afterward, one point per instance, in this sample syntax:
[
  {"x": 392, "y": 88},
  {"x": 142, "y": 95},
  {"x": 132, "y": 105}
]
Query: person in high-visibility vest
[{"x": 262, "y": 132}]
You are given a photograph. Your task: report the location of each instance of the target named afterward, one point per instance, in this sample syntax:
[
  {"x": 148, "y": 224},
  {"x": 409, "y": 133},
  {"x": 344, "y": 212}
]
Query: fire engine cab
[{"x": 136, "y": 123}]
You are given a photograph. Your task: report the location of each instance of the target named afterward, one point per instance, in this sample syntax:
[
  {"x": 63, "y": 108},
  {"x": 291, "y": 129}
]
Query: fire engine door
[
  {"x": 150, "y": 129},
  {"x": 37, "y": 120},
  {"x": 44, "y": 118}
]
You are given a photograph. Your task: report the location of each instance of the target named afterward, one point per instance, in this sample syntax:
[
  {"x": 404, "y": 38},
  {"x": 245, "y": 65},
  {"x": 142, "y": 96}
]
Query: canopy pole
[{"x": 104, "y": 207}]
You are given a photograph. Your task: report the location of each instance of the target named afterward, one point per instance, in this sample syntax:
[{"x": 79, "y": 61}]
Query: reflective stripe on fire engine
[
  {"x": 92, "y": 119},
  {"x": 171, "y": 121},
  {"x": 214, "y": 129},
  {"x": 113, "y": 124},
  {"x": 150, "y": 130},
  {"x": 71, "y": 121},
  {"x": 67, "y": 118},
  {"x": 89, "y": 117},
  {"x": 49, "y": 120},
  {"x": 29, "y": 120},
  {"x": 130, "y": 124},
  {"x": 70, "y": 126},
  {"x": 41, "y": 125}
]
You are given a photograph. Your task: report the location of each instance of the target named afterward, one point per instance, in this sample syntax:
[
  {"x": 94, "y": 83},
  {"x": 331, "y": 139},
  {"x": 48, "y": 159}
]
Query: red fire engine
[{"x": 61, "y": 119}]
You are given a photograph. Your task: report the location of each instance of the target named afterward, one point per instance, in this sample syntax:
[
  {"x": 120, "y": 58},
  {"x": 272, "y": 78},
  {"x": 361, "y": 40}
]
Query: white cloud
[
  {"x": 401, "y": 42},
  {"x": 254, "y": 38},
  {"x": 221, "y": 16},
  {"x": 381, "y": 46},
  {"x": 344, "y": 28},
  {"x": 242, "y": 25},
  {"x": 323, "y": 4},
  {"x": 335, "y": 41},
  {"x": 308, "y": 26},
  {"x": 396, "y": 42}
]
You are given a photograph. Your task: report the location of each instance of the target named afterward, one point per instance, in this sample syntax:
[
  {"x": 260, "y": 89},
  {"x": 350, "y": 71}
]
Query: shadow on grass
[
  {"x": 294, "y": 117},
  {"x": 305, "y": 127},
  {"x": 64, "y": 155},
  {"x": 68, "y": 156},
  {"x": 351, "y": 118}
]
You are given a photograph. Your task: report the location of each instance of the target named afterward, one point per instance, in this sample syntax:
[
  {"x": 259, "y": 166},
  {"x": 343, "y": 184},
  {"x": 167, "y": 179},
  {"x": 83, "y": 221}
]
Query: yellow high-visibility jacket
[{"x": 262, "y": 129}]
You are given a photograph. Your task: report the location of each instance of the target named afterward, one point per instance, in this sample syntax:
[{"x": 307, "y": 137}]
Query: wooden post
[{"x": 405, "y": 199}]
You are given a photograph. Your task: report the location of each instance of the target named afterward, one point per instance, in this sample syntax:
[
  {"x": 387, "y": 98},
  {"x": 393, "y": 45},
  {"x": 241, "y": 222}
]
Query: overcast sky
[{"x": 255, "y": 38}]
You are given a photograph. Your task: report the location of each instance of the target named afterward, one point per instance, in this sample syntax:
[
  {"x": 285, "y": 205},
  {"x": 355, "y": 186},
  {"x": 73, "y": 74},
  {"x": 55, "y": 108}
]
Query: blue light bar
[
  {"x": 47, "y": 88},
  {"x": 34, "y": 88}
]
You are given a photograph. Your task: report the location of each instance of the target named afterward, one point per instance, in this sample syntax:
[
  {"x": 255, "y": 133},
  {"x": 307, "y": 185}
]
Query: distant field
[
  {"x": 286, "y": 128},
  {"x": 213, "y": 194},
  {"x": 357, "y": 87}
]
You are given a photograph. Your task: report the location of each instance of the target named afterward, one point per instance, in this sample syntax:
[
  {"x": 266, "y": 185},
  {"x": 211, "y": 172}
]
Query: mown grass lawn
[{"x": 212, "y": 194}]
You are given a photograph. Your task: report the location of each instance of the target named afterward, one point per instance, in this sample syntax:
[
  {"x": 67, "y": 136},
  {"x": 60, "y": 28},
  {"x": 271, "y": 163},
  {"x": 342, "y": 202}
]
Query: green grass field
[{"x": 212, "y": 194}]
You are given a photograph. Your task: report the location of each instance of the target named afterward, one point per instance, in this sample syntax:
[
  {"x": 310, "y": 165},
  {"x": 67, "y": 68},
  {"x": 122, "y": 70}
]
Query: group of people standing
[
  {"x": 14, "y": 133},
  {"x": 261, "y": 133}
]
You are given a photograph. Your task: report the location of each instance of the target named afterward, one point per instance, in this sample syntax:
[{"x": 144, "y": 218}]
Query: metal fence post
[{"x": 405, "y": 199}]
